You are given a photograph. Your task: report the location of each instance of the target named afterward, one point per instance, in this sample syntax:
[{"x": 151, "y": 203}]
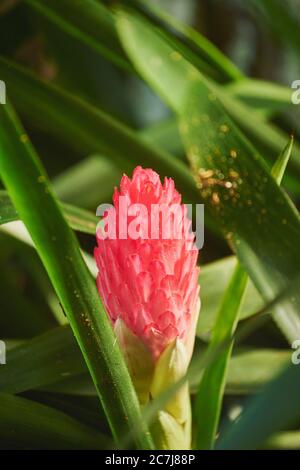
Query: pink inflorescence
[{"x": 151, "y": 284}]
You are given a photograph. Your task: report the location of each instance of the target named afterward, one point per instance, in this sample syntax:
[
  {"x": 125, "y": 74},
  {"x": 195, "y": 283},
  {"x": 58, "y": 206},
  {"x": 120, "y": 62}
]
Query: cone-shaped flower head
[{"x": 148, "y": 276}]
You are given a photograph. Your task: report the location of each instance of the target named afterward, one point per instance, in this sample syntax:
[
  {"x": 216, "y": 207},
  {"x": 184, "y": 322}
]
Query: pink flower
[{"x": 150, "y": 283}]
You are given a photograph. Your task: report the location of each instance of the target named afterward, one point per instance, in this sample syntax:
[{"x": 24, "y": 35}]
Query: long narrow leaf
[
  {"x": 199, "y": 45},
  {"x": 266, "y": 134},
  {"x": 271, "y": 411},
  {"x": 211, "y": 293},
  {"x": 29, "y": 190},
  {"x": 93, "y": 23},
  {"x": 88, "y": 21},
  {"x": 52, "y": 361},
  {"x": 25, "y": 424},
  {"x": 88, "y": 183},
  {"x": 226, "y": 166},
  {"x": 79, "y": 219},
  {"x": 212, "y": 386},
  {"x": 210, "y": 394},
  {"x": 46, "y": 359},
  {"x": 64, "y": 115},
  {"x": 280, "y": 19}
]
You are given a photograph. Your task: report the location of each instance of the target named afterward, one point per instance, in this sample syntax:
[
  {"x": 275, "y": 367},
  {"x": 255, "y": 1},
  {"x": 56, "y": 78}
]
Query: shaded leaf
[
  {"x": 210, "y": 393},
  {"x": 88, "y": 21},
  {"x": 25, "y": 424},
  {"x": 275, "y": 408}
]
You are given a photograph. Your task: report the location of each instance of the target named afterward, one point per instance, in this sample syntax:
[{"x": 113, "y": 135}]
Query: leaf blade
[
  {"x": 210, "y": 393},
  {"x": 27, "y": 424},
  {"x": 217, "y": 147},
  {"x": 60, "y": 254},
  {"x": 79, "y": 219}
]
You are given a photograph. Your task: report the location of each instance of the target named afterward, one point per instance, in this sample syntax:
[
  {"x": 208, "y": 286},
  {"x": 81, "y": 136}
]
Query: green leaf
[
  {"x": 203, "y": 52},
  {"x": 210, "y": 394},
  {"x": 52, "y": 361},
  {"x": 88, "y": 21},
  {"x": 165, "y": 135},
  {"x": 211, "y": 292},
  {"x": 276, "y": 408},
  {"x": 223, "y": 346},
  {"x": 265, "y": 134},
  {"x": 280, "y": 165},
  {"x": 214, "y": 280},
  {"x": 93, "y": 24},
  {"x": 82, "y": 408},
  {"x": 22, "y": 317},
  {"x": 226, "y": 167},
  {"x": 63, "y": 115},
  {"x": 250, "y": 370},
  {"x": 78, "y": 385},
  {"x": 59, "y": 251},
  {"x": 41, "y": 361},
  {"x": 289, "y": 440},
  {"x": 88, "y": 183},
  {"x": 280, "y": 18},
  {"x": 79, "y": 219},
  {"x": 268, "y": 97},
  {"x": 25, "y": 424}
]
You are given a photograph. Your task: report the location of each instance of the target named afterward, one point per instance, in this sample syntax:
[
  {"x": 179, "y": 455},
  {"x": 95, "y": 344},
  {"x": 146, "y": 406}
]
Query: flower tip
[{"x": 153, "y": 280}]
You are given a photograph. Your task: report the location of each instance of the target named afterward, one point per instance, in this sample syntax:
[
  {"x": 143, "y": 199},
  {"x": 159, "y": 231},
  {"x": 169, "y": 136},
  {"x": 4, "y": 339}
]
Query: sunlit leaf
[
  {"x": 225, "y": 166},
  {"x": 55, "y": 242}
]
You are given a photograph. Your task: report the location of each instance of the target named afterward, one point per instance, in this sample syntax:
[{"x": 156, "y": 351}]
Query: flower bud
[{"x": 148, "y": 281}]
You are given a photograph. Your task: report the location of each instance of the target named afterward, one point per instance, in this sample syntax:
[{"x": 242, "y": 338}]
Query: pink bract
[{"x": 151, "y": 284}]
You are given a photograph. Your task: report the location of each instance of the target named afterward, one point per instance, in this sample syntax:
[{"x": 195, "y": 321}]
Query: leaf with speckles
[
  {"x": 58, "y": 249},
  {"x": 208, "y": 402},
  {"x": 248, "y": 102},
  {"x": 232, "y": 177}
]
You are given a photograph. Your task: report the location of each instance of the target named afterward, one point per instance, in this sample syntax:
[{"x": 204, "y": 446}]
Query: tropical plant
[{"x": 94, "y": 89}]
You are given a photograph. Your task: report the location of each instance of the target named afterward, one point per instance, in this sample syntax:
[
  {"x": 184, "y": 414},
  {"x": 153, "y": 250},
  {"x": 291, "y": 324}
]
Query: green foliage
[
  {"x": 59, "y": 252},
  {"x": 225, "y": 166},
  {"x": 101, "y": 87}
]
